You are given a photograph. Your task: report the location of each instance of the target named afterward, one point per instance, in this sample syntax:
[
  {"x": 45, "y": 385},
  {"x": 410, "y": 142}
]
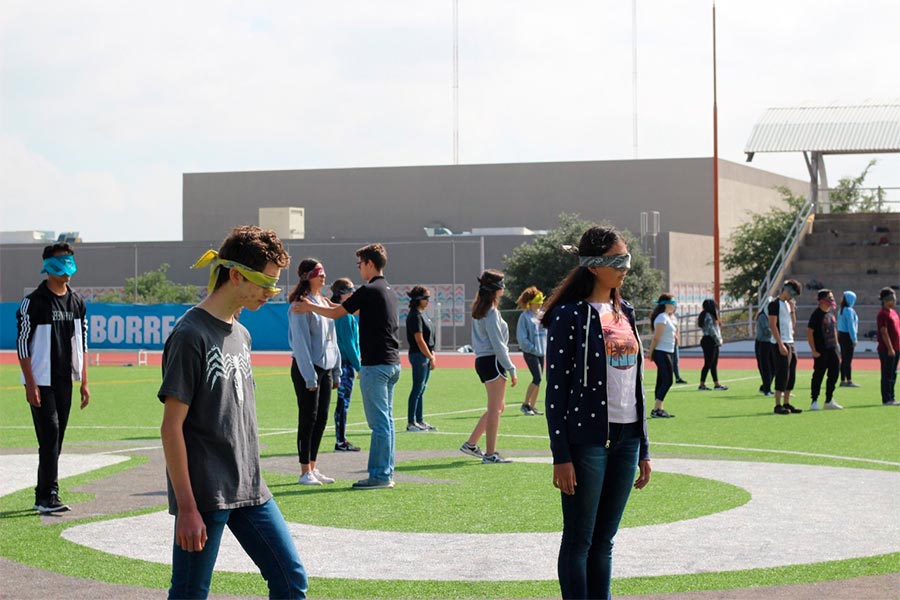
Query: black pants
[
  {"x": 665, "y": 373},
  {"x": 785, "y": 368},
  {"x": 312, "y": 412},
  {"x": 765, "y": 363},
  {"x": 829, "y": 362},
  {"x": 888, "y": 375},
  {"x": 50, "y": 421},
  {"x": 710, "y": 359},
  {"x": 846, "y": 355}
]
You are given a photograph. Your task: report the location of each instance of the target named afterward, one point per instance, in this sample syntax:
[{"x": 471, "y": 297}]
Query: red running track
[{"x": 449, "y": 360}]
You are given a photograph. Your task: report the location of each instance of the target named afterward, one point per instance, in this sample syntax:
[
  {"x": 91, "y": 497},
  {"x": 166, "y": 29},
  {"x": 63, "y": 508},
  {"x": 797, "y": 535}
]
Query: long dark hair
[
  {"x": 709, "y": 306},
  {"x": 579, "y": 283},
  {"x": 302, "y": 289},
  {"x": 659, "y": 308},
  {"x": 485, "y": 299}
]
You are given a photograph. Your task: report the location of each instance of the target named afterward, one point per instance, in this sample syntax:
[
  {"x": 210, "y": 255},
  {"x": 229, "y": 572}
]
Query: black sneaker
[
  {"x": 792, "y": 408},
  {"x": 51, "y": 505},
  {"x": 535, "y": 411},
  {"x": 345, "y": 446},
  {"x": 526, "y": 410},
  {"x": 661, "y": 414},
  {"x": 781, "y": 410},
  {"x": 680, "y": 380}
]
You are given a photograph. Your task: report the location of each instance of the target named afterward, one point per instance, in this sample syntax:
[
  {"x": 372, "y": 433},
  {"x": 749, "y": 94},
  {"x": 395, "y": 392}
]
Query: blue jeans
[
  {"x": 420, "y": 372},
  {"x": 376, "y": 383},
  {"x": 591, "y": 516},
  {"x": 263, "y": 535},
  {"x": 345, "y": 390}
]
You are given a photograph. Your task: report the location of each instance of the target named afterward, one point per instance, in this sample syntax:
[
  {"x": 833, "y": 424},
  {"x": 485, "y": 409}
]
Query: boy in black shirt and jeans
[
  {"x": 380, "y": 353},
  {"x": 51, "y": 344},
  {"x": 821, "y": 333}
]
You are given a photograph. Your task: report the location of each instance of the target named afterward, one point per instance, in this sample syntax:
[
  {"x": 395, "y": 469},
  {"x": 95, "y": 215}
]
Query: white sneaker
[
  {"x": 322, "y": 478},
  {"x": 814, "y": 405},
  {"x": 415, "y": 428},
  {"x": 308, "y": 478},
  {"x": 833, "y": 406}
]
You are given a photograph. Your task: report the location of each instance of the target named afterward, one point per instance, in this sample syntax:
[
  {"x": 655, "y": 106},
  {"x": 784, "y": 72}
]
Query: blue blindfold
[{"x": 60, "y": 265}]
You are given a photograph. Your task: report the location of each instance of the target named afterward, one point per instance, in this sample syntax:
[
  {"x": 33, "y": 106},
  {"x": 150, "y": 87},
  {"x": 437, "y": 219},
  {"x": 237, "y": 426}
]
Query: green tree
[
  {"x": 755, "y": 244},
  {"x": 153, "y": 287},
  {"x": 543, "y": 263},
  {"x": 850, "y": 196}
]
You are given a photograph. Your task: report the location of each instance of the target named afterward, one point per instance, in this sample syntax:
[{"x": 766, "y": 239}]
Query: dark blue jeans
[
  {"x": 888, "y": 375},
  {"x": 420, "y": 373},
  {"x": 345, "y": 390},
  {"x": 263, "y": 535},
  {"x": 591, "y": 516}
]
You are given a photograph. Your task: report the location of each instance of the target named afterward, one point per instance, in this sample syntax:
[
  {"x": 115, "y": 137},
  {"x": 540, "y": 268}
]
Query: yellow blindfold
[{"x": 211, "y": 259}]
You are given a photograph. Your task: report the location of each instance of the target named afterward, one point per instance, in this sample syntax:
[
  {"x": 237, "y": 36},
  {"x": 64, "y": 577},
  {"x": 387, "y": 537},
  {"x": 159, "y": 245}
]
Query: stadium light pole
[{"x": 716, "y": 266}]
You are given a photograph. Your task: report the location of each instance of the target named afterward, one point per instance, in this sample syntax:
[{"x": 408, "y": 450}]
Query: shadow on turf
[{"x": 25, "y": 512}]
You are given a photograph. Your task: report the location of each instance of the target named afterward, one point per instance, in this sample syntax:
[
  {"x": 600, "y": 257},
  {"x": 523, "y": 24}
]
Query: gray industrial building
[{"x": 343, "y": 209}]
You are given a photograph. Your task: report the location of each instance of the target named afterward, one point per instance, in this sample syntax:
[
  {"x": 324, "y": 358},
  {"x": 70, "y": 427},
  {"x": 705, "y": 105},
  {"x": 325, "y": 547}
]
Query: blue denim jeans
[
  {"x": 376, "y": 383},
  {"x": 263, "y": 535},
  {"x": 345, "y": 390},
  {"x": 420, "y": 373},
  {"x": 591, "y": 516}
]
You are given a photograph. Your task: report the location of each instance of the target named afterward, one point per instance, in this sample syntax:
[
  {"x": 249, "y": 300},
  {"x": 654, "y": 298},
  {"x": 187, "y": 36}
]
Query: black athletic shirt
[{"x": 378, "y": 323}]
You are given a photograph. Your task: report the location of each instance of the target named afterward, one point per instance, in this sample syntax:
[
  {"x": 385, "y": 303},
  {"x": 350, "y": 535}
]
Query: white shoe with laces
[
  {"x": 814, "y": 405},
  {"x": 322, "y": 478},
  {"x": 308, "y": 478},
  {"x": 833, "y": 406}
]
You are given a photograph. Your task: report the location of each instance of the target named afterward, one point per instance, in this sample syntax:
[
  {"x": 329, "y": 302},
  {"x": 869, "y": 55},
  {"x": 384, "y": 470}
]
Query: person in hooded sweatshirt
[{"x": 847, "y": 328}]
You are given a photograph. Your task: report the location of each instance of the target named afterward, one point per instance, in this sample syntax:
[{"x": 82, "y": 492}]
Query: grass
[{"x": 736, "y": 425}]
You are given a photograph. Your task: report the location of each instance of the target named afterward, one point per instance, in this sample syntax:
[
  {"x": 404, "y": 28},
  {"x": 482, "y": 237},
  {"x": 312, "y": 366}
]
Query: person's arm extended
[
  {"x": 190, "y": 531},
  {"x": 306, "y": 305}
]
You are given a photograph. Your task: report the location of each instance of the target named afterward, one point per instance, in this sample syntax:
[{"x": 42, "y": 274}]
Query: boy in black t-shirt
[
  {"x": 209, "y": 432},
  {"x": 380, "y": 353},
  {"x": 51, "y": 344},
  {"x": 821, "y": 333}
]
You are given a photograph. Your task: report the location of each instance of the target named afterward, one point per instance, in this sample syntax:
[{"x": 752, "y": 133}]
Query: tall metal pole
[
  {"x": 455, "y": 82},
  {"x": 634, "y": 100},
  {"x": 716, "y": 277}
]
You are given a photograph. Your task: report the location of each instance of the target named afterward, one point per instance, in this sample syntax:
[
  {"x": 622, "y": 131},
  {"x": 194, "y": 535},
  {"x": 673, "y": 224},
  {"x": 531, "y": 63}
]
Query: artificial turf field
[{"x": 733, "y": 425}]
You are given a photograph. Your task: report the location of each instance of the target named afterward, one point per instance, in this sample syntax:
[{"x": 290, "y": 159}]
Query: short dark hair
[
  {"x": 886, "y": 294},
  {"x": 794, "y": 284},
  {"x": 253, "y": 247},
  {"x": 823, "y": 294},
  {"x": 374, "y": 253},
  {"x": 54, "y": 249}
]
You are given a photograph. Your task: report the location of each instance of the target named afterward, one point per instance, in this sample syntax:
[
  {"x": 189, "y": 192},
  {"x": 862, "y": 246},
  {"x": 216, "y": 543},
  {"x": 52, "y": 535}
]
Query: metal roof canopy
[{"x": 870, "y": 127}]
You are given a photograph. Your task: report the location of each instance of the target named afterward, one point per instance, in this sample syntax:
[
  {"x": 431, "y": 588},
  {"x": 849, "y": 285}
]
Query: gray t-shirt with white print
[{"x": 206, "y": 365}]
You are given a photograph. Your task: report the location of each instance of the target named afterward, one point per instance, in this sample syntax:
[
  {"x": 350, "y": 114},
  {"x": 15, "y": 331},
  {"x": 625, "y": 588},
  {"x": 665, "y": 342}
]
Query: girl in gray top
[
  {"x": 708, "y": 321},
  {"x": 490, "y": 338}
]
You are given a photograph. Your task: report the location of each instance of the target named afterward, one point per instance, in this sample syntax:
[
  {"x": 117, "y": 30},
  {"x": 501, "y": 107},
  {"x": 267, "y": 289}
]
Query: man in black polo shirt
[
  {"x": 51, "y": 344},
  {"x": 380, "y": 353}
]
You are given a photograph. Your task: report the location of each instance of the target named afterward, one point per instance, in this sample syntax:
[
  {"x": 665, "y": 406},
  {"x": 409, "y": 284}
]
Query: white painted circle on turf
[{"x": 798, "y": 514}]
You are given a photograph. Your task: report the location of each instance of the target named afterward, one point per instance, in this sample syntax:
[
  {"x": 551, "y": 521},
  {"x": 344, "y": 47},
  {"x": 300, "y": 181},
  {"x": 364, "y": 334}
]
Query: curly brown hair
[{"x": 253, "y": 247}]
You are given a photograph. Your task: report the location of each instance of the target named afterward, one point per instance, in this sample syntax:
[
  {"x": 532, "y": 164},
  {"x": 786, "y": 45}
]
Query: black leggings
[
  {"x": 665, "y": 373},
  {"x": 312, "y": 412},
  {"x": 710, "y": 359},
  {"x": 846, "y": 356},
  {"x": 827, "y": 362}
]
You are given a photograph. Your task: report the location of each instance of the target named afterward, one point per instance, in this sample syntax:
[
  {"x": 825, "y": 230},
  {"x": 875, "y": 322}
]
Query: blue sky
[{"x": 103, "y": 105}]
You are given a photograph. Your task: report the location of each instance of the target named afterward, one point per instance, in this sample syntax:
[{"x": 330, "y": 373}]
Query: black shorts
[
  {"x": 489, "y": 368},
  {"x": 535, "y": 366}
]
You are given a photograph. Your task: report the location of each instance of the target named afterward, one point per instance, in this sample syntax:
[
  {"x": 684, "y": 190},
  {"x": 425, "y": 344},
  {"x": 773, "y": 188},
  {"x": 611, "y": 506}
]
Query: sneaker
[
  {"x": 702, "y": 387},
  {"x": 52, "y": 505},
  {"x": 373, "y": 484},
  {"x": 345, "y": 446},
  {"x": 471, "y": 450},
  {"x": 535, "y": 411},
  {"x": 792, "y": 408},
  {"x": 781, "y": 410},
  {"x": 309, "y": 478},
  {"x": 494, "y": 459},
  {"x": 427, "y": 426},
  {"x": 720, "y": 387},
  {"x": 526, "y": 410},
  {"x": 680, "y": 380},
  {"x": 891, "y": 403},
  {"x": 814, "y": 405},
  {"x": 849, "y": 384},
  {"x": 415, "y": 428},
  {"x": 769, "y": 393},
  {"x": 833, "y": 406},
  {"x": 661, "y": 414},
  {"x": 322, "y": 478}
]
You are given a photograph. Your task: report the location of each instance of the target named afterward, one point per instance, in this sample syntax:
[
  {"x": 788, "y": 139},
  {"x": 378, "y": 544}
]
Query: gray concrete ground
[{"x": 144, "y": 487}]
